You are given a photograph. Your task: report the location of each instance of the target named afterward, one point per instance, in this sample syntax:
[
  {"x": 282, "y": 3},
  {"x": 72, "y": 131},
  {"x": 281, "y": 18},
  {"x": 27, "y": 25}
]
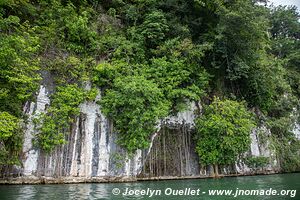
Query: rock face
[
  {"x": 172, "y": 152},
  {"x": 297, "y": 131},
  {"x": 260, "y": 147},
  {"x": 33, "y": 110},
  {"x": 92, "y": 151}
]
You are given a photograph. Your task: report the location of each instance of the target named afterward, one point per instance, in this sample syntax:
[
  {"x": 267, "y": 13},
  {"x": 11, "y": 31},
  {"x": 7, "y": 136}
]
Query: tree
[
  {"x": 174, "y": 77},
  {"x": 223, "y": 132},
  {"x": 61, "y": 113},
  {"x": 18, "y": 80},
  {"x": 239, "y": 38},
  {"x": 135, "y": 104},
  {"x": 18, "y": 65},
  {"x": 10, "y": 139},
  {"x": 285, "y": 43},
  {"x": 154, "y": 27}
]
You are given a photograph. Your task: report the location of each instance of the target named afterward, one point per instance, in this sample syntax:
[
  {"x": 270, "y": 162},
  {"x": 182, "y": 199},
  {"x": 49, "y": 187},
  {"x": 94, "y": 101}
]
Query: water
[{"x": 104, "y": 191}]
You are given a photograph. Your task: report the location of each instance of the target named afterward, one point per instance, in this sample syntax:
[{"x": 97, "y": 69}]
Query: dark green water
[{"x": 273, "y": 186}]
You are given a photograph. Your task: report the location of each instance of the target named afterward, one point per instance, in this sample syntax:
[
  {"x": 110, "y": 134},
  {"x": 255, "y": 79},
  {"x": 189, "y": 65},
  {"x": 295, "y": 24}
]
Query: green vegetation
[
  {"x": 223, "y": 133},
  {"x": 136, "y": 104},
  {"x": 150, "y": 58},
  {"x": 60, "y": 115},
  {"x": 258, "y": 162},
  {"x": 10, "y": 139},
  {"x": 18, "y": 80}
]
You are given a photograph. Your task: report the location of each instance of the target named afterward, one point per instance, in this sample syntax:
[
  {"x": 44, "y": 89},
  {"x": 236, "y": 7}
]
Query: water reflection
[
  {"x": 104, "y": 191},
  {"x": 100, "y": 191},
  {"x": 26, "y": 192}
]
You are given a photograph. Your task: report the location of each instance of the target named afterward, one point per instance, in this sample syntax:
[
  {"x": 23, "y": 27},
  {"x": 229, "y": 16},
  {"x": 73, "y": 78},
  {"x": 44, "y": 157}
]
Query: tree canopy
[
  {"x": 149, "y": 58},
  {"x": 223, "y": 132}
]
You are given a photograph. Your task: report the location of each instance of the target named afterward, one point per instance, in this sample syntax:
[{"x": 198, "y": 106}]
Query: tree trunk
[
  {"x": 165, "y": 158},
  {"x": 216, "y": 170}
]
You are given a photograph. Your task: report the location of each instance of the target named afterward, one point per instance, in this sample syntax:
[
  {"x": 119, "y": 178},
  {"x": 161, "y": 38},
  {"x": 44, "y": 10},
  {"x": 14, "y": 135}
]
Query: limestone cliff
[{"x": 92, "y": 151}]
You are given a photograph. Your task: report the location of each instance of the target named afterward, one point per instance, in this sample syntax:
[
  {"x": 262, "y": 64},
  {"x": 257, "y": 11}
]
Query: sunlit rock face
[
  {"x": 172, "y": 152},
  {"x": 296, "y": 130},
  {"x": 186, "y": 117},
  {"x": 259, "y": 147},
  {"x": 33, "y": 110},
  {"x": 91, "y": 149}
]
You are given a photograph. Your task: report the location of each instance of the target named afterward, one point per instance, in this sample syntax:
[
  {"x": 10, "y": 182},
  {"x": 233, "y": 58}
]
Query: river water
[{"x": 281, "y": 186}]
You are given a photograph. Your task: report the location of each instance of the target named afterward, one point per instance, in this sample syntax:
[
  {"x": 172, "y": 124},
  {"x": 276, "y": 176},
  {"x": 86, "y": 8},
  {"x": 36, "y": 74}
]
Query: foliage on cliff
[
  {"x": 136, "y": 104},
  {"x": 10, "y": 139},
  {"x": 223, "y": 132},
  {"x": 18, "y": 80},
  {"x": 60, "y": 115},
  {"x": 149, "y": 58}
]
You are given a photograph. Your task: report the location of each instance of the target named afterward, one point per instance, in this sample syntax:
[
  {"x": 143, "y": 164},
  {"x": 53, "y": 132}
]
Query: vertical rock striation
[
  {"x": 32, "y": 109},
  {"x": 172, "y": 152},
  {"x": 91, "y": 149}
]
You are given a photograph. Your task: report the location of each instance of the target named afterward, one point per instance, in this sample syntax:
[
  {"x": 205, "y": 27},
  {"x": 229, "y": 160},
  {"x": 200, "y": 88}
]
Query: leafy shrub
[
  {"x": 257, "y": 162},
  {"x": 135, "y": 104},
  {"x": 54, "y": 124},
  {"x": 223, "y": 132}
]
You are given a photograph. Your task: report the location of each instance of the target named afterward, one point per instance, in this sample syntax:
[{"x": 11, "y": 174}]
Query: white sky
[{"x": 286, "y": 2}]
